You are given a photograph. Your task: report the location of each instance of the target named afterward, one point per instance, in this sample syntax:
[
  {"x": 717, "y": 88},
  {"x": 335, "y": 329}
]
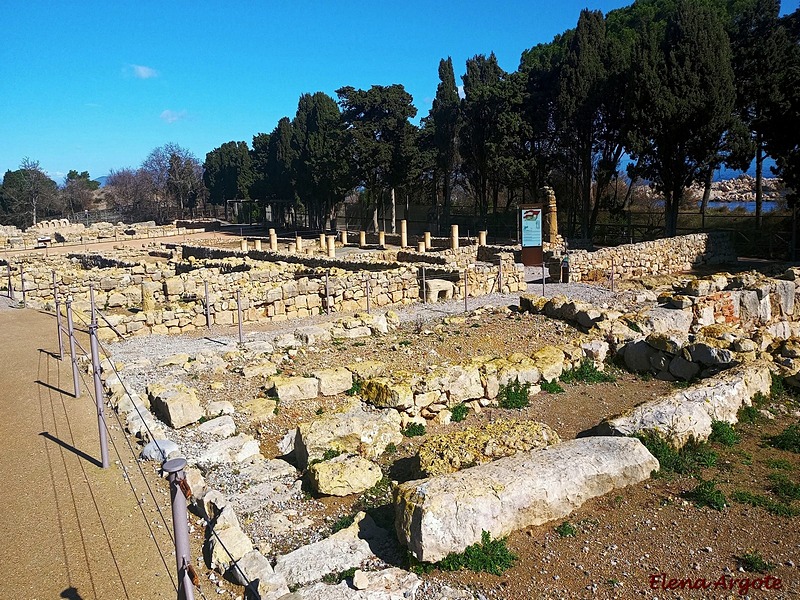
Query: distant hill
[{"x": 101, "y": 180}]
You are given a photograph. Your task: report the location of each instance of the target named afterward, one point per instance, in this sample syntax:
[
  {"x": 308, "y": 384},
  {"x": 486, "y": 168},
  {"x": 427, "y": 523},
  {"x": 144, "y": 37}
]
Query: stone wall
[{"x": 668, "y": 255}]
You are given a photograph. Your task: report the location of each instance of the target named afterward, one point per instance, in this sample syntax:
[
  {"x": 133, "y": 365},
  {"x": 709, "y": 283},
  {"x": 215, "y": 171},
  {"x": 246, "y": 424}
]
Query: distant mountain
[{"x": 101, "y": 180}]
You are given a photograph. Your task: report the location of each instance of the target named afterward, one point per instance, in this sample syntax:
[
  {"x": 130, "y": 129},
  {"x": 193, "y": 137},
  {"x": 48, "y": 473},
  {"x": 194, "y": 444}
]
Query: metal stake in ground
[
  {"x": 465, "y": 288},
  {"x": 208, "y": 312},
  {"x": 500, "y": 277},
  {"x": 98, "y": 384},
  {"x": 543, "y": 279},
  {"x": 327, "y": 293},
  {"x": 73, "y": 356},
  {"x": 367, "y": 293},
  {"x": 22, "y": 285},
  {"x": 57, "y": 302},
  {"x": 10, "y": 285},
  {"x": 239, "y": 314},
  {"x": 424, "y": 291},
  {"x": 175, "y": 469}
]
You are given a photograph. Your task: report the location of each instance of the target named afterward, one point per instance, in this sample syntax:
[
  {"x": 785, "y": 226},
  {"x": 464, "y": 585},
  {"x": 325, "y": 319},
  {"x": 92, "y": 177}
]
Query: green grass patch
[
  {"x": 749, "y": 415},
  {"x": 414, "y": 430},
  {"x": 343, "y": 523},
  {"x": 689, "y": 459},
  {"x": 788, "y": 439},
  {"x": 355, "y": 389},
  {"x": 459, "y": 413},
  {"x": 390, "y": 449},
  {"x": 753, "y": 562},
  {"x": 707, "y": 494},
  {"x": 551, "y": 387},
  {"x": 587, "y": 372},
  {"x": 404, "y": 342},
  {"x": 780, "y": 464},
  {"x": 339, "y": 577},
  {"x": 566, "y": 529},
  {"x": 771, "y": 506},
  {"x": 723, "y": 433},
  {"x": 784, "y": 488},
  {"x": 489, "y": 556},
  {"x": 777, "y": 389},
  {"x": 514, "y": 394}
]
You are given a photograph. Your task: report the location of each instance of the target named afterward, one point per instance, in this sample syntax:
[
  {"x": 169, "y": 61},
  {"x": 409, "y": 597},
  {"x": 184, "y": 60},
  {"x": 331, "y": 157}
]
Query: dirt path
[{"x": 71, "y": 529}]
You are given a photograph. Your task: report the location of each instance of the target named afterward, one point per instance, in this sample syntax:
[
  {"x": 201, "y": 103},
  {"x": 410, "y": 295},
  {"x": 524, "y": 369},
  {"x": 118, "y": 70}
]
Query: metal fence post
[
  {"x": 176, "y": 475},
  {"x": 10, "y": 285},
  {"x": 98, "y": 384},
  {"x": 58, "y": 318},
  {"x": 327, "y": 293},
  {"x": 208, "y": 311},
  {"x": 500, "y": 277},
  {"x": 612, "y": 275},
  {"x": 424, "y": 290},
  {"x": 73, "y": 356},
  {"x": 239, "y": 314},
  {"x": 542, "y": 279}
]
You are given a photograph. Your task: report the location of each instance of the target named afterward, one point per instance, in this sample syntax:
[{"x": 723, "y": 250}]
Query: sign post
[{"x": 530, "y": 218}]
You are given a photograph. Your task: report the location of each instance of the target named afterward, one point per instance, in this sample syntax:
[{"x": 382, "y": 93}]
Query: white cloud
[
  {"x": 170, "y": 116},
  {"x": 142, "y": 72}
]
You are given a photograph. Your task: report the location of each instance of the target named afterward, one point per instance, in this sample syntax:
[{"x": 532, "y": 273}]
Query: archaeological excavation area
[{"x": 402, "y": 417}]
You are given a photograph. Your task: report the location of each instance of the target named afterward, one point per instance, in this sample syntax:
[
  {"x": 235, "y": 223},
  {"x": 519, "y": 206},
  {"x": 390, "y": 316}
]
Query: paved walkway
[{"x": 70, "y": 529}]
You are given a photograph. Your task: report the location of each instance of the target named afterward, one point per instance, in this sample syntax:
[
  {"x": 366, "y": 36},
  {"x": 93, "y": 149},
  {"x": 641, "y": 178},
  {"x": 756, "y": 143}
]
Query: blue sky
[{"x": 95, "y": 86}]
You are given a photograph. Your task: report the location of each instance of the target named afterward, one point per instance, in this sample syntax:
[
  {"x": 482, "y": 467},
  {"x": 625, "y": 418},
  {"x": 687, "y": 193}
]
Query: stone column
[
  {"x": 343, "y": 233},
  {"x": 244, "y": 245},
  {"x": 298, "y": 244},
  {"x": 273, "y": 240},
  {"x": 421, "y": 247},
  {"x": 550, "y": 222},
  {"x": 331, "y": 246},
  {"x": 382, "y": 239},
  {"x": 362, "y": 239},
  {"x": 428, "y": 240},
  {"x": 257, "y": 245},
  {"x": 481, "y": 238},
  {"x": 322, "y": 242},
  {"x": 403, "y": 233},
  {"x": 454, "y": 237}
]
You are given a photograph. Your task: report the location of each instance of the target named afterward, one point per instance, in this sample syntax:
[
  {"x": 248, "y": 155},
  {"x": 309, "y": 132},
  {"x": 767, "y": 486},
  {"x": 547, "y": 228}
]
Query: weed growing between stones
[
  {"x": 414, "y": 430},
  {"x": 329, "y": 454},
  {"x": 780, "y": 464},
  {"x": 342, "y": 523},
  {"x": 356, "y": 388},
  {"x": 723, "y": 433},
  {"x": 707, "y": 494},
  {"x": 753, "y": 562},
  {"x": 771, "y": 506},
  {"x": 686, "y": 461},
  {"x": 390, "y": 449},
  {"x": 566, "y": 529},
  {"x": 587, "y": 372},
  {"x": 339, "y": 577},
  {"x": 490, "y": 556},
  {"x": 788, "y": 439},
  {"x": 514, "y": 394},
  {"x": 459, "y": 413},
  {"x": 551, "y": 387}
]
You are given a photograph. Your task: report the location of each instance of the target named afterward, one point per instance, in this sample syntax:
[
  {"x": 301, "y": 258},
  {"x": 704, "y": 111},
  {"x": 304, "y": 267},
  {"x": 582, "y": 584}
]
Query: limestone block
[
  {"x": 344, "y": 475},
  {"x": 368, "y": 369},
  {"x": 637, "y": 356},
  {"x": 160, "y": 450},
  {"x": 688, "y": 413},
  {"x": 255, "y": 570},
  {"x": 668, "y": 341},
  {"x": 550, "y": 362},
  {"x": 784, "y": 290},
  {"x": 477, "y": 445},
  {"x": 595, "y": 350},
  {"x": 353, "y": 430},
  {"x": 445, "y": 514},
  {"x": 333, "y": 381},
  {"x": 384, "y": 392},
  {"x": 236, "y": 449},
  {"x": 176, "y": 404},
  {"x": 661, "y": 320},
  {"x": 173, "y": 286},
  {"x": 708, "y": 355},
  {"x": 389, "y": 584},
  {"x": 260, "y": 409},
  {"x": 343, "y": 550},
  {"x": 313, "y": 334},
  {"x": 227, "y": 545},
  {"x": 292, "y": 389},
  {"x": 179, "y": 359},
  {"x": 222, "y": 427},
  {"x": 260, "y": 368},
  {"x": 683, "y": 369}
]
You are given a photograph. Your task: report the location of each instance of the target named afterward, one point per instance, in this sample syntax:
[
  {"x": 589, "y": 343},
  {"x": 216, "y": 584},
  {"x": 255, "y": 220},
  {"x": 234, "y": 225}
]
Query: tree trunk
[
  {"x": 759, "y": 178},
  {"x": 586, "y": 190},
  {"x": 375, "y": 215},
  {"x": 706, "y": 196}
]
